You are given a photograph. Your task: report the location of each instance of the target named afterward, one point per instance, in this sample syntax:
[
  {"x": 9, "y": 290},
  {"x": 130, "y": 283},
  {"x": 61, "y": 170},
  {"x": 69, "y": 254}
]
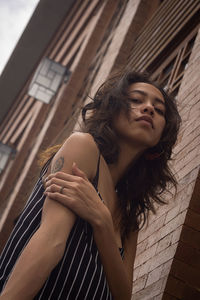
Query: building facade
[{"x": 67, "y": 50}]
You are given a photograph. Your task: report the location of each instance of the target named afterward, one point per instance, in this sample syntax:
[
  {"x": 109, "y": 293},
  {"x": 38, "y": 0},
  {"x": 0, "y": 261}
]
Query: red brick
[
  {"x": 173, "y": 224},
  {"x": 162, "y": 257},
  {"x": 166, "y": 296},
  {"x": 172, "y": 213},
  {"x": 190, "y": 237},
  {"x": 166, "y": 229},
  {"x": 154, "y": 276},
  {"x": 186, "y": 201},
  {"x": 186, "y": 148},
  {"x": 192, "y": 165},
  {"x": 136, "y": 273},
  {"x": 186, "y": 273},
  {"x": 147, "y": 231},
  {"x": 176, "y": 235},
  {"x": 184, "y": 94},
  {"x": 191, "y": 126},
  {"x": 180, "y": 290},
  {"x": 193, "y": 220},
  {"x": 151, "y": 291},
  {"x": 174, "y": 287},
  {"x": 139, "y": 284},
  {"x": 184, "y": 105},
  {"x": 164, "y": 243},
  {"x": 146, "y": 255},
  {"x": 187, "y": 179},
  {"x": 188, "y": 254},
  {"x": 195, "y": 109},
  {"x": 161, "y": 210},
  {"x": 187, "y": 159},
  {"x": 144, "y": 268},
  {"x": 195, "y": 203},
  {"x": 141, "y": 247},
  {"x": 166, "y": 268},
  {"x": 158, "y": 297}
]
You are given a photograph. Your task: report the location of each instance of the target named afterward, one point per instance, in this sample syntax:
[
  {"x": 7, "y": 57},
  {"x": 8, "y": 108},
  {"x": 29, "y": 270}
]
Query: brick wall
[{"x": 167, "y": 262}]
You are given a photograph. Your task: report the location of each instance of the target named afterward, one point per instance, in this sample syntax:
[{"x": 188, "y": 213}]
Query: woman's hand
[{"x": 77, "y": 193}]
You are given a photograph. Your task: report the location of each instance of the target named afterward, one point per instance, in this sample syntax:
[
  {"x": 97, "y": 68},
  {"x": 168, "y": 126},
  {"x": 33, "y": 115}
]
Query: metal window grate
[
  {"x": 47, "y": 80},
  {"x": 171, "y": 71},
  {"x": 5, "y": 152},
  {"x": 164, "y": 26}
]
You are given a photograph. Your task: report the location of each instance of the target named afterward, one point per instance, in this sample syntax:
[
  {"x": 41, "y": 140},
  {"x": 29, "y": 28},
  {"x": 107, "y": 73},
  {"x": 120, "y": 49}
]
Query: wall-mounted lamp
[{"x": 47, "y": 80}]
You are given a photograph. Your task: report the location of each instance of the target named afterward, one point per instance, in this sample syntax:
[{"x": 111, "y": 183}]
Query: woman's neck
[{"x": 127, "y": 155}]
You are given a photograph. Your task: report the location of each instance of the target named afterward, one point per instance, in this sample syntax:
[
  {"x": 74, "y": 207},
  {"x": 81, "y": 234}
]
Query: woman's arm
[
  {"x": 82, "y": 198},
  {"x": 46, "y": 247},
  {"x": 119, "y": 273},
  {"x": 40, "y": 256}
]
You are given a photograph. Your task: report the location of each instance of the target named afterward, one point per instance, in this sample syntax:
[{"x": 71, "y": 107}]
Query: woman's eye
[
  {"x": 134, "y": 100},
  {"x": 160, "y": 111}
]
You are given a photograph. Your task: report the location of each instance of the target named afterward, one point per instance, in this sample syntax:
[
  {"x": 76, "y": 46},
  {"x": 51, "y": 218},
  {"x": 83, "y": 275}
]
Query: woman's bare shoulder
[
  {"x": 82, "y": 138},
  {"x": 79, "y": 148},
  {"x": 82, "y": 142}
]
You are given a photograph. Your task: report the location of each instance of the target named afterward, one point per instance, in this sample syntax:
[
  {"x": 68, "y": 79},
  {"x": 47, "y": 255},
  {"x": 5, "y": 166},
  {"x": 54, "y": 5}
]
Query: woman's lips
[{"x": 146, "y": 120}]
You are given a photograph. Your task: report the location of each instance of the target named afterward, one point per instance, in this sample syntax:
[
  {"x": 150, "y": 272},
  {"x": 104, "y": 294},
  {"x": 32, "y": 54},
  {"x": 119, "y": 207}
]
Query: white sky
[{"x": 14, "y": 16}]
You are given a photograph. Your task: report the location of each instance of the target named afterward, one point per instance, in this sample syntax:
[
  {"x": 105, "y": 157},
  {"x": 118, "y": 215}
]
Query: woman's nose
[{"x": 148, "y": 108}]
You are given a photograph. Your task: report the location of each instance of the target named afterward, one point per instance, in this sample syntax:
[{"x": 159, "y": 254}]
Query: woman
[{"x": 77, "y": 239}]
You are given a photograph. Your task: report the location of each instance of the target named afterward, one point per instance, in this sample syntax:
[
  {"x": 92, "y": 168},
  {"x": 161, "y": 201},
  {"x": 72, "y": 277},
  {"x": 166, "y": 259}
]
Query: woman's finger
[
  {"x": 63, "y": 176},
  {"x": 59, "y": 175},
  {"x": 57, "y": 189},
  {"x": 57, "y": 181},
  {"x": 53, "y": 188}
]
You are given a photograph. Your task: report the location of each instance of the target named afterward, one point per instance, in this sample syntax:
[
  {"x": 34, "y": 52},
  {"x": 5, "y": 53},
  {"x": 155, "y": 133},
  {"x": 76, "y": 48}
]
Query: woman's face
[{"x": 146, "y": 119}]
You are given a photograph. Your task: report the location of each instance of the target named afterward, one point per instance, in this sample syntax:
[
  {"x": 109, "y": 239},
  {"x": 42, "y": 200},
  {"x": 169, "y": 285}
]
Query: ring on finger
[{"x": 61, "y": 189}]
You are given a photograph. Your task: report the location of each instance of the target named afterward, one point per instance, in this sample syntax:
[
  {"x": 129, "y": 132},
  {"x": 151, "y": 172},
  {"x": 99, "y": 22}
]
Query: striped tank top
[{"x": 79, "y": 274}]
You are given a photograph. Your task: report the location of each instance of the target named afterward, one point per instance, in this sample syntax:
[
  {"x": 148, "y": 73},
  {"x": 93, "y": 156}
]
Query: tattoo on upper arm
[{"x": 58, "y": 164}]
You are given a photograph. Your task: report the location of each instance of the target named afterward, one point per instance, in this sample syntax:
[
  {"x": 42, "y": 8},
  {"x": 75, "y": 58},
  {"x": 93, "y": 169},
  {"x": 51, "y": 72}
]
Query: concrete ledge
[{"x": 43, "y": 24}]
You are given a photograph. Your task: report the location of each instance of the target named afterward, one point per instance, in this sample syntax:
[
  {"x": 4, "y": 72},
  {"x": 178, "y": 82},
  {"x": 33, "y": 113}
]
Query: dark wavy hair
[{"x": 146, "y": 179}]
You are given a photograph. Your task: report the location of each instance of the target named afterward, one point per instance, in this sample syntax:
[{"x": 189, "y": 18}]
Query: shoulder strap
[
  {"x": 96, "y": 178},
  {"x": 46, "y": 165}
]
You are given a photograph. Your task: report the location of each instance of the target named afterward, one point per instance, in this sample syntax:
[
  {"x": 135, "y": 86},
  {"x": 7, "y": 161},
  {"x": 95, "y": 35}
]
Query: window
[
  {"x": 171, "y": 72},
  {"x": 5, "y": 152},
  {"x": 47, "y": 80}
]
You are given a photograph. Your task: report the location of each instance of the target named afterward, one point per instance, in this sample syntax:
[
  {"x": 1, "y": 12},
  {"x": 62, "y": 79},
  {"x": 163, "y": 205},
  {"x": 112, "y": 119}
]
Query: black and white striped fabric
[{"x": 79, "y": 275}]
